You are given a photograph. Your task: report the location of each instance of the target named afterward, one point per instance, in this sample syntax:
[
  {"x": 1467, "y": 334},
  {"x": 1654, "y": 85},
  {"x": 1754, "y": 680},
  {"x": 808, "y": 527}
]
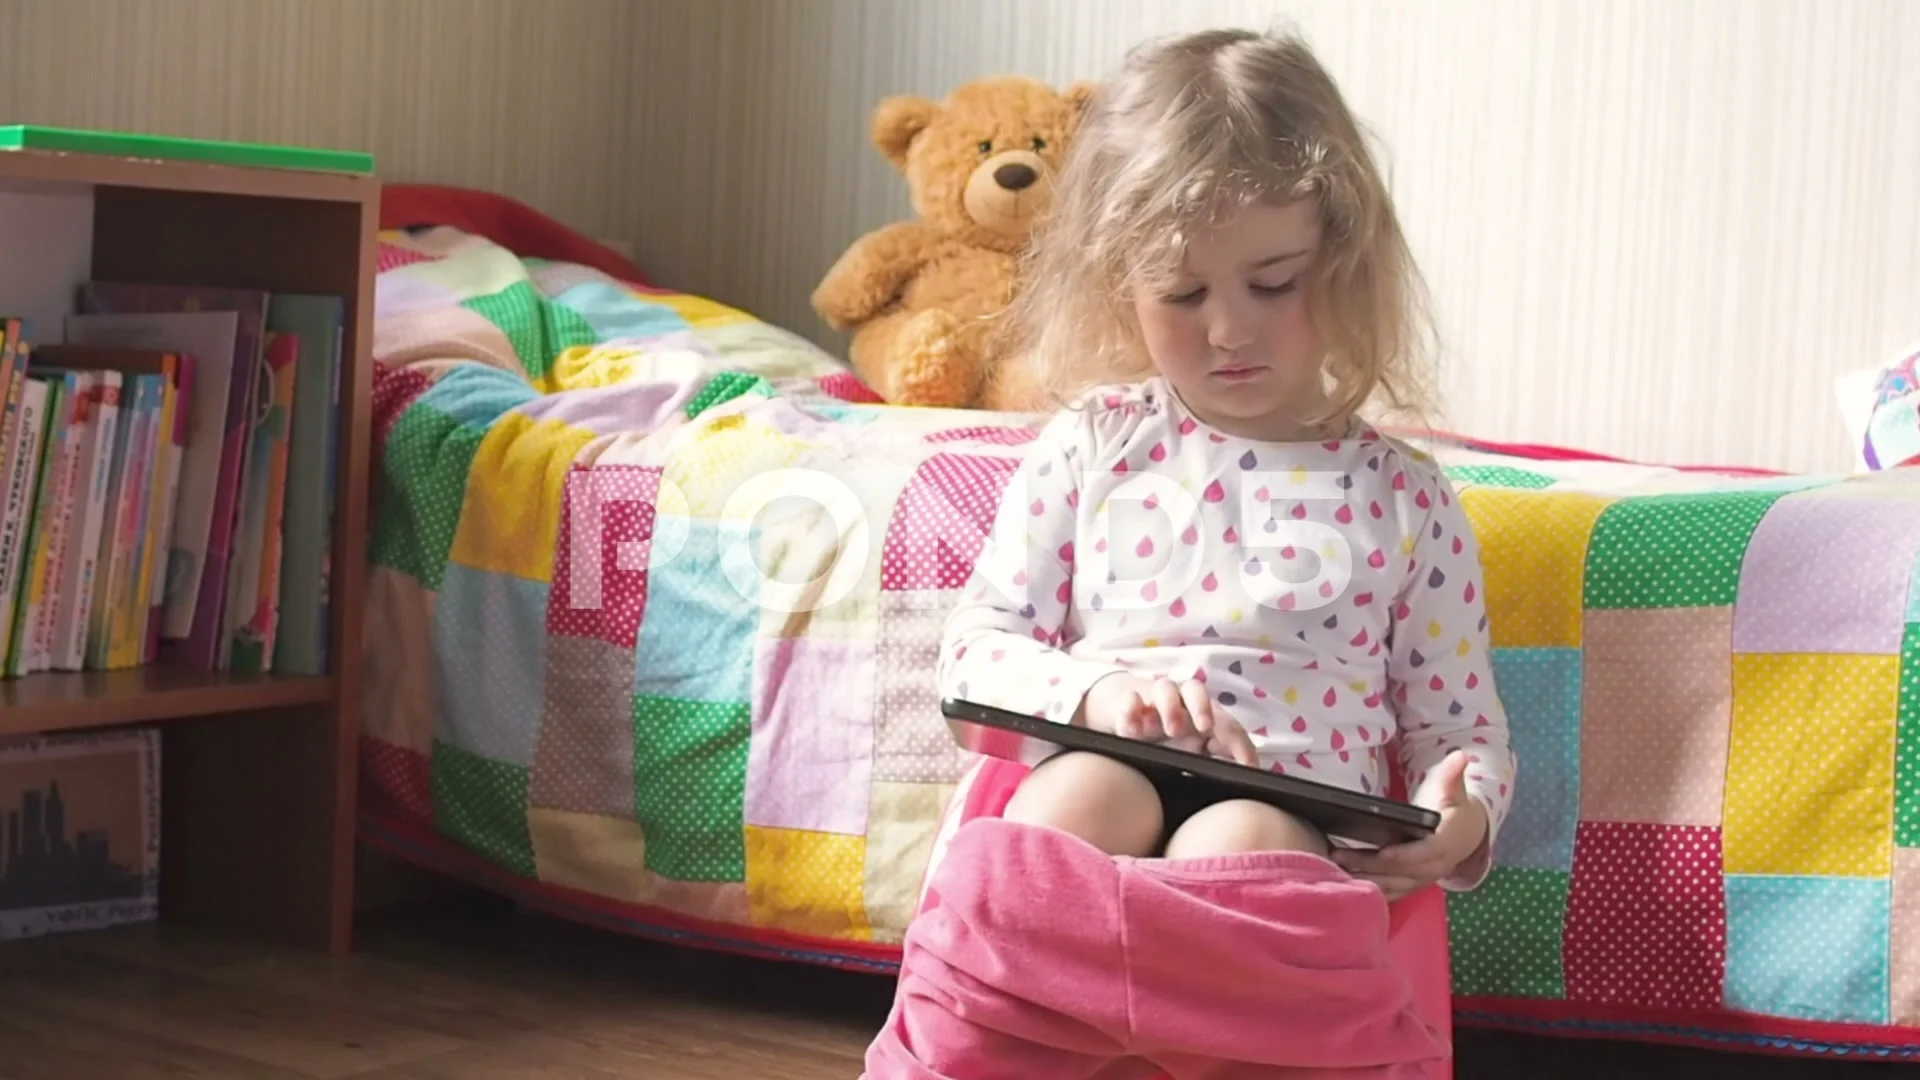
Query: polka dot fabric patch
[
  {"x": 1500, "y": 476},
  {"x": 1906, "y": 782},
  {"x": 429, "y": 454},
  {"x": 1828, "y": 575},
  {"x": 491, "y": 660},
  {"x": 583, "y": 760},
  {"x": 601, "y": 554},
  {"x": 401, "y": 775},
  {"x": 1904, "y": 960},
  {"x": 481, "y": 805},
  {"x": 1647, "y": 918},
  {"x": 1656, "y": 716},
  {"x": 1541, "y": 690},
  {"x": 1507, "y": 935},
  {"x": 811, "y": 763},
  {"x": 911, "y": 740},
  {"x": 697, "y": 640},
  {"x": 515, "y": 497},
  {"x": 808, "y": 882},
  {"x": 942, "y": 521},
  {"x": 1810, "y": 765},
  {"x": 1663, "y": 551},
  {"x": 1811, "y": 948},
  {"x": 689, "y": 782},
  {"x": 1534, "y": 549}
]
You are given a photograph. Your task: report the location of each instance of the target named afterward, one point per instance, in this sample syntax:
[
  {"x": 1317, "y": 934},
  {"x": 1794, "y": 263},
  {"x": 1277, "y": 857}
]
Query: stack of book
[{"x": 168, "y": 467}]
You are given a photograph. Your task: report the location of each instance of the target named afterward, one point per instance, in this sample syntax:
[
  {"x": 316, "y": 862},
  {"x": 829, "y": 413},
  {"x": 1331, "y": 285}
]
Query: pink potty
[{"x": 1417, "y": 924}]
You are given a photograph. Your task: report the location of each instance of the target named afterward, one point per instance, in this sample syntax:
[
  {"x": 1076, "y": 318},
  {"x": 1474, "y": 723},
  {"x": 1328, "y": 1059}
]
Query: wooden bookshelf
[{"x": 258, "y": 773}]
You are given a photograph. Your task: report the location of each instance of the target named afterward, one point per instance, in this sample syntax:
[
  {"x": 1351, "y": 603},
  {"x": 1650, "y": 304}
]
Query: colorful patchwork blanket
[{"x": 656, "y": 590}]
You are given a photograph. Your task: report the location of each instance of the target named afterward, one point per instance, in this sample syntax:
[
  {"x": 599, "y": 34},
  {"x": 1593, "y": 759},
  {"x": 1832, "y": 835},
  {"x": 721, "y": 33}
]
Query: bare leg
[
  {"x": 1107, "y": 804},
  {"x": 1241, "y": 825}
]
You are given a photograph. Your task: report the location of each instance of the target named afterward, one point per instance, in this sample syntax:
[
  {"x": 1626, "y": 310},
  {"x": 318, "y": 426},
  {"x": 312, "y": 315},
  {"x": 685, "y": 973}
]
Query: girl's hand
[
  {"x": 1161, "y": 710},
  {"x": 1407, "y": 868}
]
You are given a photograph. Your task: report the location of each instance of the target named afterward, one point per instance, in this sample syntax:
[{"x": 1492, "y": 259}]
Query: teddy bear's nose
[{"x": 1015, "y": 177}]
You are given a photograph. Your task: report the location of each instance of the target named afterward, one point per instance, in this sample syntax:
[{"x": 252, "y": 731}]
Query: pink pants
[{"x": 1036, "y": 955}]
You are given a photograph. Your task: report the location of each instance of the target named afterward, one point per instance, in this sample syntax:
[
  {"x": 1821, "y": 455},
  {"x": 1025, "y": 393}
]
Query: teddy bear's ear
[
  {"x": 895, "y": 123},
  {"x": 1079, "y": 95}
]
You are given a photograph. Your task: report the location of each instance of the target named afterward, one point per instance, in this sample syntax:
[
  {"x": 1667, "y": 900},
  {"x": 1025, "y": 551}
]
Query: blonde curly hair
[{"x": 1190, "y": 130}]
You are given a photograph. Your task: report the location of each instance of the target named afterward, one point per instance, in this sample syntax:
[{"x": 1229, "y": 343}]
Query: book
[
  {"x": 171, "y": 380},
  {"x": 22, "y": 459},
  {"x": 253, "y": 592},
  {"x": 31, "y": 629},
  {"x": 300, "y": 644},
  {"x": 202, "y": 646}
]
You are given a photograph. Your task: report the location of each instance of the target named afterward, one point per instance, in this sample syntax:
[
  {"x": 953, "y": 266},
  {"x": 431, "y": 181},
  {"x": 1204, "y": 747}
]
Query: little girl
[{"x": 1207, "y": 544}]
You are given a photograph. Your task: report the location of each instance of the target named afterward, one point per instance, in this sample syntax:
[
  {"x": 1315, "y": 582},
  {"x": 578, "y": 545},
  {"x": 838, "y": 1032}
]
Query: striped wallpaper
[{"x": 1656, "y": 228}]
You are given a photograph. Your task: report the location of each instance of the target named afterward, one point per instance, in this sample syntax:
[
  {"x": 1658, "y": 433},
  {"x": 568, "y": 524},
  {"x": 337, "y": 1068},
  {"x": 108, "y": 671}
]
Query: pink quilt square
[
  {"x": 912, "y": 743},
  {"x": 1827, "y": 575},
  {"x": 811, "y": 762},
  {"x": 600, "y": 561},
  {"x": 1646, "y": 916},
  {"x": 394, "y": 388},
  {"x": 1656, "y": 712},
  {"x": 401, "y": 778},
  {"x": 942, "y": 521},
  {"x": 1905, "y": 960}
]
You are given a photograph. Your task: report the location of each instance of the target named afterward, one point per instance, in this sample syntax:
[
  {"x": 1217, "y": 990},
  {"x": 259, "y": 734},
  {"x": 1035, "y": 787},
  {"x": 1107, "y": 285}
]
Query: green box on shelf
[{"x": 206, "y": 151}]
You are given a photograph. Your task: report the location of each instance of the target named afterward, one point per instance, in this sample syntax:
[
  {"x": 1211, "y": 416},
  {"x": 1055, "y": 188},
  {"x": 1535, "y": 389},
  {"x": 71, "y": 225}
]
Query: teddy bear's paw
[{"x": 935, "y": 365}]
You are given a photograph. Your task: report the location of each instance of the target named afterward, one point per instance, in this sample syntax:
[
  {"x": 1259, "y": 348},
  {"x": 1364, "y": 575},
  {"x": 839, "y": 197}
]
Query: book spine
[
  {"x": 24, "y": 468},
  {"x": 31, "y": 630},
  {"x": 179, "y": 423},
  {"x": 68, "y": 521},
  {"x": 131, "y": 605},
  {"x": 91, "y": 509}
]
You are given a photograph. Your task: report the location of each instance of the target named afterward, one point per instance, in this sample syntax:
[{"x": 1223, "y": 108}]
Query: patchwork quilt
[{"x": 656, "y": 590}]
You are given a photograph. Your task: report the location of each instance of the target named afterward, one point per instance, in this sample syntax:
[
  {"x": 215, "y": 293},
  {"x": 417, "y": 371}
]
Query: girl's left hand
[{"x": 1406, "y": 868}]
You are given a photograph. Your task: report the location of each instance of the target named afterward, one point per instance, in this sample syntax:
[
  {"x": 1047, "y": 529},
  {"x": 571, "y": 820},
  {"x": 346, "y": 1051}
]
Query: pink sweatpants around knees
[{"x": 1036, "y": 955}]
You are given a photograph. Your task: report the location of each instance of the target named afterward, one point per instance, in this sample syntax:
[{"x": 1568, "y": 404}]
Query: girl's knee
[
  {"x": 1102, "y": 801},
  {"x": 1241, "y": 825}
]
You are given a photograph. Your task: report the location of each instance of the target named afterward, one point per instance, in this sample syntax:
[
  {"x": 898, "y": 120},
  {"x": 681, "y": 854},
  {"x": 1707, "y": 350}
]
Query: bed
[{"x": 618, "y": 670}]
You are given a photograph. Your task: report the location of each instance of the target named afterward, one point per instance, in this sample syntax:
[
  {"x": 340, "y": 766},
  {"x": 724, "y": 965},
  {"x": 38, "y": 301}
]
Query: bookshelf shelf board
[
  {"x": 65, "y": 701},
  {"x": 42, "y": 170}
]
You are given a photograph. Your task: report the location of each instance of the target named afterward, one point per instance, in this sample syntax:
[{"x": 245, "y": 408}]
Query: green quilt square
[
  {"x": 689, "y": 786},
  {"x": 516, "y": 311},
  {"x": 1501, "y": 476},
  {"x": 724, "y": 387},
  {"x": 423, "y": 485},
  {"x": 481, "y": 804},
  {"x": 1906, "y": 765},
  {"x": 1667, "y": 551},
  {"x": 1508, "y": 935},
  {"x": 537, "y": 328}
]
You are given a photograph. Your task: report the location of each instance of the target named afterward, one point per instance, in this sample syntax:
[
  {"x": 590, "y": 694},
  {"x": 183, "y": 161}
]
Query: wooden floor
[{"x": 473, "y": 990}]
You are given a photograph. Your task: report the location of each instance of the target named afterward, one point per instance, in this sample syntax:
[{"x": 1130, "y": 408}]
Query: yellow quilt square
[
  {"x": 515, "y": 490},
  {"x": 699, "y": 311},
  {"x": 1533, "y": 550},
  {"x": 902, "y": 820},
  {"x": 601, "y": 856},
  {"x": 710, "y": 465},
  {"x": 808, "y": 882},
  {"x": 1810, "y": 764}
]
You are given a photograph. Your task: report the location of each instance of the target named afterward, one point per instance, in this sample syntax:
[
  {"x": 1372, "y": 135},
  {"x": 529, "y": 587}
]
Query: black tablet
[{"x": 1341, "y": 814}]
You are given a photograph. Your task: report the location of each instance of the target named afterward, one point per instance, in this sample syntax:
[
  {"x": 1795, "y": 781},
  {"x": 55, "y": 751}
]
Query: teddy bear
[{"x": 918, "y": 294}]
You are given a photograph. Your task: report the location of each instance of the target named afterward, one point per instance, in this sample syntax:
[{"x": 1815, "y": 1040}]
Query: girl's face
[{"x": 1232, "y": 334}]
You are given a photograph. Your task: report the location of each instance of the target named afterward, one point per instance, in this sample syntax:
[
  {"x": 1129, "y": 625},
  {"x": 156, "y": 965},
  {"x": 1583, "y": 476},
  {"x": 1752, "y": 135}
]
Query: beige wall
[{"x": 1653, "y": 228}]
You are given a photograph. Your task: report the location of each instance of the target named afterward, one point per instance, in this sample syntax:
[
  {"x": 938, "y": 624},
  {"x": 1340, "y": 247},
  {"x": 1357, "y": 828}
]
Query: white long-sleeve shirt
[{"x": 1328, "y": 594}]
